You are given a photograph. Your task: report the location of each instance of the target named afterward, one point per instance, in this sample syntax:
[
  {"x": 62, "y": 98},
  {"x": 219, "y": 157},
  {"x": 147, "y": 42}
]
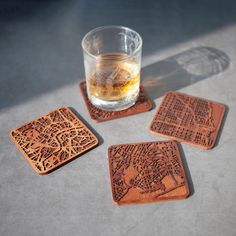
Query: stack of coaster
[
  {"x": 188, "y": 119},
  {"x": 53, "y": 139},
  {"x": 143, "y": 104},
  {"x": 146, "y": 172}
]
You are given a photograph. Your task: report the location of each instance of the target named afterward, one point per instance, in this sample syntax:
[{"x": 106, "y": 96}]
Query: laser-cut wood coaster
[
  {"x": 146, "y": 172},
  {"x": 188, "y": 119},
  {"x": 143, "y": 104},
  {"x": 53, "y": 139}
]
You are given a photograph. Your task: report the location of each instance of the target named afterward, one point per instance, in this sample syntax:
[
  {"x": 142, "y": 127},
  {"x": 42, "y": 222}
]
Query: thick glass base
[{"x": 118, "y": 105}]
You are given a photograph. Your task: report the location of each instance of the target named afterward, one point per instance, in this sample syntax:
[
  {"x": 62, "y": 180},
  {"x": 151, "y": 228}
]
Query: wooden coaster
[
  {"x": 146, "y": 172},
  {"x": 143, "y": 104},
  {"x": 188, "y": 119},
  {"x": 53, "y": 139}
]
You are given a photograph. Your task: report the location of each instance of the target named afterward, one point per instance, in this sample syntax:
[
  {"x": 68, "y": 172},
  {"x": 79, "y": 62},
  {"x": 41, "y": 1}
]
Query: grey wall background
[{"x": 189, "y": 46}]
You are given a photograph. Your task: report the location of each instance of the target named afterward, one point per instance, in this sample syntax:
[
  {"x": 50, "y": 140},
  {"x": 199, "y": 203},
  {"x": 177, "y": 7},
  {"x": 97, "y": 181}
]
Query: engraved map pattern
[
  {"x": 144, "y": 167},
  {"x": 186, "y": 118},
  {"x": 53, "y": 139},
  {"x": 142, "y": 104}
]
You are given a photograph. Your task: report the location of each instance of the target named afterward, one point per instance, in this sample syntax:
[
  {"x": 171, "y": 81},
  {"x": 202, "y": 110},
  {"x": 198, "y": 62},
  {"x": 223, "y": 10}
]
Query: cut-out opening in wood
[
  {"x": 143, "y": 104},
  {"x": 52, "y": 140},
  {"x": 188, "y": 119},
  {"x": 146, "y": 172}
]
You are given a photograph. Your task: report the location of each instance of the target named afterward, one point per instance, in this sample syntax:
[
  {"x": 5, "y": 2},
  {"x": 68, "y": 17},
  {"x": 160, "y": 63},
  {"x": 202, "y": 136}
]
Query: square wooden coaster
[
  {"x": 143, "y": 104},
  {"x": 188, "y": 119},
  {"x": 146, "y": 172},
  {"x": 53, "y": 139}
]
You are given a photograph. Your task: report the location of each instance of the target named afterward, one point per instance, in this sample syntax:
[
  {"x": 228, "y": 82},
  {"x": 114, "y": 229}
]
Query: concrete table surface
[{"x": 189, "y": 46}]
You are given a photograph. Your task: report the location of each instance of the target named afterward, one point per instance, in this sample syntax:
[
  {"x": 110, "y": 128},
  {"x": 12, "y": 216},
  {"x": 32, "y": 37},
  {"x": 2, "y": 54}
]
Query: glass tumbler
[{"x": 112, "y": 59}]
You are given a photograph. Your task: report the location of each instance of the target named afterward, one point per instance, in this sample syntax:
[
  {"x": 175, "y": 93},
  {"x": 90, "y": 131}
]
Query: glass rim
[{"x": 111, "y": 27}]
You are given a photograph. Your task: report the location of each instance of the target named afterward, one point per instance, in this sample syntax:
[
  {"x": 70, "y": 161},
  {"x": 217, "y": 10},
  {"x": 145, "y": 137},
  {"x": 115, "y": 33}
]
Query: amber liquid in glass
[{"x": 114, "y": 78}]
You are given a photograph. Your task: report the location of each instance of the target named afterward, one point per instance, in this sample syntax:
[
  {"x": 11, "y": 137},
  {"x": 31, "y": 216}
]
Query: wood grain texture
[
  {"x": 143, "y": 104},
  {"x": 53, "y": 139},
  {"x": 146, "y": 172},
  {"x": 188, "y": 119}
]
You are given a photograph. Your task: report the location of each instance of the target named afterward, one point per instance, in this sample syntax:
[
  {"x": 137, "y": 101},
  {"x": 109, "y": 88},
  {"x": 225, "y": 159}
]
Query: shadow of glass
[
  {"x": 39, "y": 40},
  {"x": 183, "y": 69}
]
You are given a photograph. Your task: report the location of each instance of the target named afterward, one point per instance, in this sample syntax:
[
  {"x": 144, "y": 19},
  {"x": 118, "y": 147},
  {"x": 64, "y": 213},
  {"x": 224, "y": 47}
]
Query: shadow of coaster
[
  {"x": 52, "y": 140},
  {"x": 188, "y": 119},
  {"x": 143, "y": 104},
  {"x": 147, "y": 172}
]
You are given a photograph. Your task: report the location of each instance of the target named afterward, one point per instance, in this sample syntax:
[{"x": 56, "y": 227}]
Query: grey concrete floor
[{"x": 189, "y": 46}]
